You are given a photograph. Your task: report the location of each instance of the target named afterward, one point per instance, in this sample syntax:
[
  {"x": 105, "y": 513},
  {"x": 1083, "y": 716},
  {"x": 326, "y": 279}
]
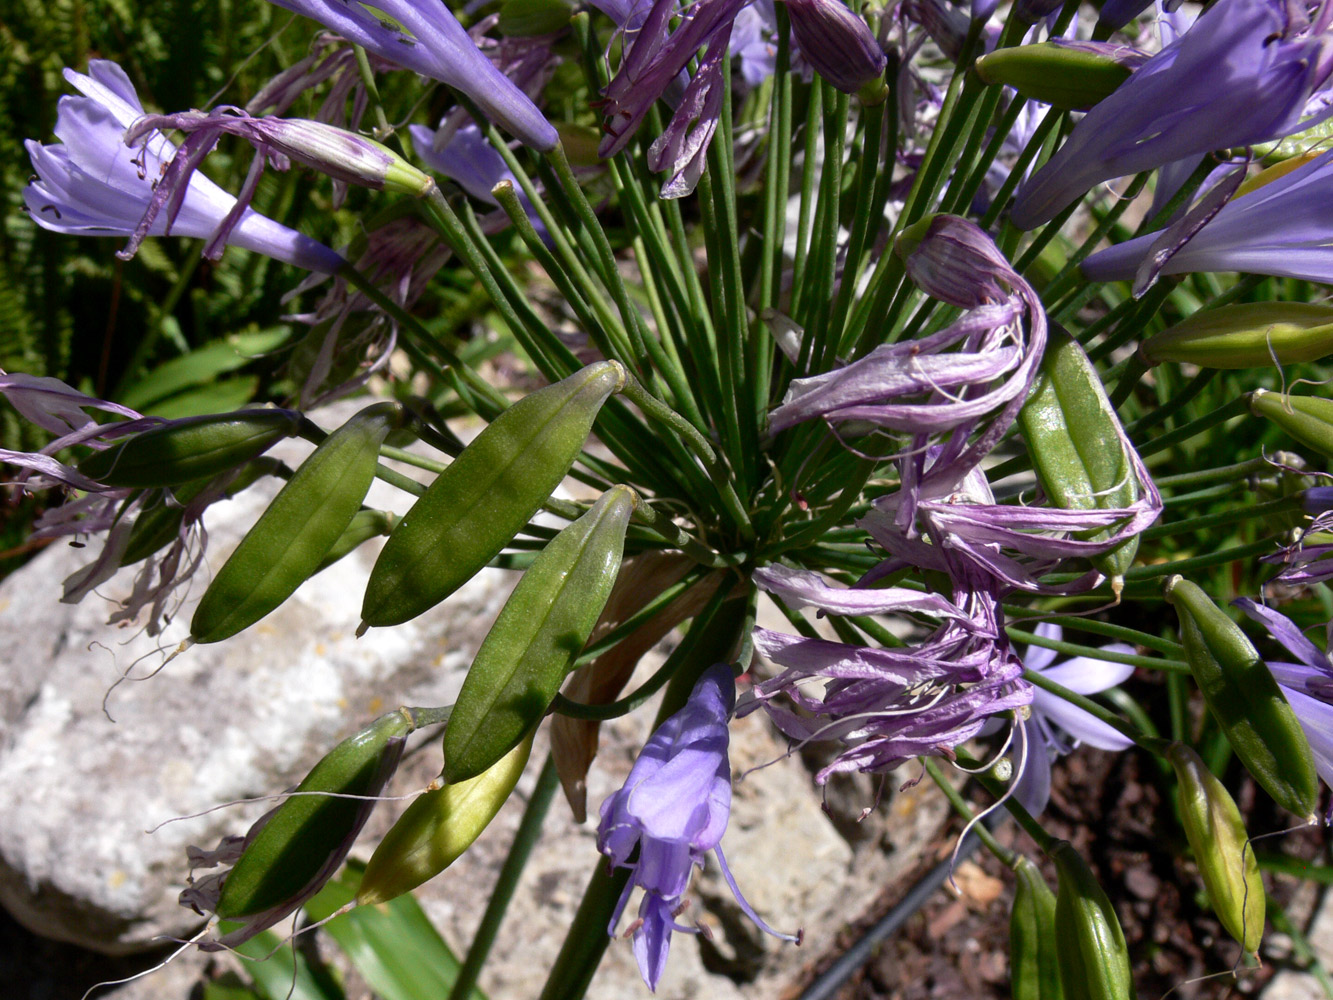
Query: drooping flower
[
  {"x": 840, "y": 46},
  {"x": 1241, "y": 75},
  {"x": 964, "y": 384},
  {"x": 426, "y": 38},
  {"x": 1283, "y": 227},
  {"x": 887, "y": 706},
  {"x": 653, "y": 62},
  {"x": 92, "y": 184},
  {"x": 1307, "y": 685},
  {"x": 1054, "y": 727},
  {"x": 673, "y": 809}
]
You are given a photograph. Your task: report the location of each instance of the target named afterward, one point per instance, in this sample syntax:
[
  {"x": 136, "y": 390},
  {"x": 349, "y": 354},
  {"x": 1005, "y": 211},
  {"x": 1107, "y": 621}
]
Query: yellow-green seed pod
[
  {"x": 302, "y": 524},
  {"x": 190, "y": 448},
  {"x": 1068, "y": 78},
  {"x": 1245, "y": 700},
  {"x": 476, "y": 505},
  {"x": 540, "y": 631},
  {"x": 438, "y": 827},
  {"x": 308, "y": 836},
  {"x": 1216, "y": 834},
  {"x": 1034, "y": 968},
  {"x": 1251, "y": 335},
  {"x": 1094, "y": 959},
  {"x": 1308, "y": 419},
  {"x": 1078, "y": 447}
]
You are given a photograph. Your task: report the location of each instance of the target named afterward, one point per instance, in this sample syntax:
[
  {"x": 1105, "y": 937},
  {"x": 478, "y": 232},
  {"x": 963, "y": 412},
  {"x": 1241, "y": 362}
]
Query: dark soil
[{"x": 1112, "y": 809}]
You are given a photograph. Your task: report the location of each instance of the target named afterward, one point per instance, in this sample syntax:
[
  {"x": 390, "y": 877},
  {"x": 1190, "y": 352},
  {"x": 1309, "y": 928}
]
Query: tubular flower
[
  {"x": 431, "y": 42},
  {"x": 1055, "y": 727},
  {"x": 673, "y": 809},
  {"x": 654, "y": 60},
  {"x": 1307, "y": 685},
  {"x": 1241, "y": 75},
  {"x": 1283, "y": 227},
  {"x": 887, "y": 706},
  {"x": 93, "y": 185}
]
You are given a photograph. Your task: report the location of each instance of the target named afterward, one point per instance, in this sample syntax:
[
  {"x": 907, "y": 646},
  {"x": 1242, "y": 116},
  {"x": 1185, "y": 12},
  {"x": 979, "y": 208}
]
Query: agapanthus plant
[{"x": 791, "y": 325}]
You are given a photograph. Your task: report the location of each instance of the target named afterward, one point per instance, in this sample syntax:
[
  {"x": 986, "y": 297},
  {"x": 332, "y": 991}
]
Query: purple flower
[
  {"x": 887, "y": 706},
  {"x": 1055, "y": 727},
  {"x": 673, "y": 809},
  {"x": 428, "y": 39},
  {"x": 1309, "y": 559},
  {"x": 1283, "y": 228},
  {"x": 965, "y": 383},
  {"x": 655, "y": 58},
  {"x": 1241, "y": 75},
  {"x": 839, "y": 45},
  {"x": 92, "y": 184},
  {"x": 1307, "y": 686}
]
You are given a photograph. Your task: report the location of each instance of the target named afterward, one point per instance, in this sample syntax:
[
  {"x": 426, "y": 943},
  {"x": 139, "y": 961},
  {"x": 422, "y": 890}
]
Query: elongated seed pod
[
  {"x": 304, "y": 521},
  {"x": 190, "y": 448},
  {"x": 1078, "y": 446},
  {"x": 1034, "y": 970},
  {"x": 1245, "y": 700},
  {"x": 438, "y": 827},
  {"x": 477, "y": 504},
  {"x": 1249, "y": 335},
  {"x": 1067, "y": 78},
  {"x": 1216, "y": 834},
  {"x": 1094, "y": 959},
  {"x": 542, "y": 628},
  {"x": 1308, "y": 419},
  {"x": 306, "y": 839}
]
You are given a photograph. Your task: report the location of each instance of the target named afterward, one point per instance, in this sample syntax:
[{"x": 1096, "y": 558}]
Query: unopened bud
[
  {"x": 953, "y": 260},
  {"x": 1249, "y": 335},
  {"x": 344, "y": 155},
  {"x": 841, "y": 47}
]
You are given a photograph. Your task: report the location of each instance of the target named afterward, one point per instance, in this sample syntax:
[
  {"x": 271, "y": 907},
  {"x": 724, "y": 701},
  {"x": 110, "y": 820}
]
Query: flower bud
[
  {"x": 1034, "y": 967},
  {"x": 344, "y": 155},
  {"x": 1069, "y": 77},
  {"x": 1250, "y": 335},
  {"x": 1217, "y": 836},
  {"x": 840, "y": 46}
]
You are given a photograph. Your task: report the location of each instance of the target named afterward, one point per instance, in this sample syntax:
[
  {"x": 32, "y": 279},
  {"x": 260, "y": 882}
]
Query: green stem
[
  {"x": 1153, "y": 744},
  {"x": 961, "y": 807},
  {"x": 1092, "y": 652}
]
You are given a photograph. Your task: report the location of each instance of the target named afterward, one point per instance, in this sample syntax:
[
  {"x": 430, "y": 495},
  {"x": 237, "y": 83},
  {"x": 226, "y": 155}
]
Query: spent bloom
[
  {"x": 1241, "y": 75},
  {"x": 426, "y": 38},
  {"x": 1307, "y": 685},
  {"x": 1309, "y": 559},
  {"x": 1055, "y": 727},
  {"x": 674, "y": 809},
  {"x": 840, "y": 46},
  {"x": 887, "y": 706},
  {"x": 92, "y": 184}
]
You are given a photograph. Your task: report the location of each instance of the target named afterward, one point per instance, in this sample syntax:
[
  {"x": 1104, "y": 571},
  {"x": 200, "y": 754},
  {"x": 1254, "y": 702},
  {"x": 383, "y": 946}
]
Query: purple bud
[{"x": 840, "y": 46}]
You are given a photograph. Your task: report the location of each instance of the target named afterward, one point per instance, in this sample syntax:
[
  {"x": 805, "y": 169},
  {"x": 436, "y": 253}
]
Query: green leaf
[
  {"x": 221, "y": 397},
  {"x": 394, "y": 946},
  {"x": 201, "y": 367},
  {"x": 272, "y": 971}
]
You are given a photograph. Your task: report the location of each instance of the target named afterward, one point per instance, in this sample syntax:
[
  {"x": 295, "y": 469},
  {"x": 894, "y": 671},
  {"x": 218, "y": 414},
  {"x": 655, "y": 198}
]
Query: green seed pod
[
  {"x": 190, "y": 448},
  {"x": 1094, "y": 960},
  {"x": 1252, "y": 335},
  {"x": 533, "y": 643},
  {"x": 365, "y": 525},
  {"x": 438, "y": 827},
  {"x": 1034, "y": 970},
  {"x": 479, "y": 503},
  {"x": 1067, "y": 78},
  {"x": 1245, "y": 700},
  {"x": 1308, "y": 419},
  {"x": 1078, "y": 446},
  {"x": 304, "y": 521},
  {"x": 159, "y": 524},
  {"x": 307, "y": 837},
  {"x": 1217, "y": 836}
]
